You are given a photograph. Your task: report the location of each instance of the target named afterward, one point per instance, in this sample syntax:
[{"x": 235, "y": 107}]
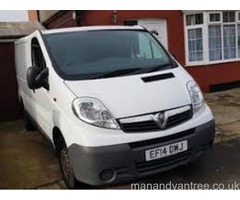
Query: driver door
[{"x": 41, "y": 108}]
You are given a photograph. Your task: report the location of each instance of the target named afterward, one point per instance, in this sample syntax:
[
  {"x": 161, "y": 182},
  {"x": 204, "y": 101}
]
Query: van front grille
[
  {"x": 179, "y": 118},
  {"x": 140, "y": 126},
  {"x": 151, "y": 125}
]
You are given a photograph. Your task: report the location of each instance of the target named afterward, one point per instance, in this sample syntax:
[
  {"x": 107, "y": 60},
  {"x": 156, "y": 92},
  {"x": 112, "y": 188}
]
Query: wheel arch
[{"x": 58, "y": 138}]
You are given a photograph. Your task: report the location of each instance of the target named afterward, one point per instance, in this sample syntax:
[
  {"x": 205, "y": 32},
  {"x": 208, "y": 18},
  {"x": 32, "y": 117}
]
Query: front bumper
[{"x": 125, "y": 162}]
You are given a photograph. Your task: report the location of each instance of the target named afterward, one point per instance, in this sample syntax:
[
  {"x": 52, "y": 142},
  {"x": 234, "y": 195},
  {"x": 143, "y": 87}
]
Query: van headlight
[
  {"x": 92, "y": 111},
  {"x": 195, "y": 95}
]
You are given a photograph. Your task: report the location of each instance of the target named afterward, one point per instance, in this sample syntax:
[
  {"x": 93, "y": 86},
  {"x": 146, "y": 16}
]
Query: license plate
[{"x": 164, "y": 151}]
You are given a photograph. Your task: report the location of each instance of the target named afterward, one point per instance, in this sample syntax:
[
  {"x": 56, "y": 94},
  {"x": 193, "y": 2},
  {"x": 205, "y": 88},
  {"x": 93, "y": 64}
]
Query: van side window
[{"x": 37, "y": 55}]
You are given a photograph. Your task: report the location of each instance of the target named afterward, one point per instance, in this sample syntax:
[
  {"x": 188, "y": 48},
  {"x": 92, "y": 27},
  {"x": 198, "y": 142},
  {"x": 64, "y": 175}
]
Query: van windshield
[{"x": 106, "y": 53}]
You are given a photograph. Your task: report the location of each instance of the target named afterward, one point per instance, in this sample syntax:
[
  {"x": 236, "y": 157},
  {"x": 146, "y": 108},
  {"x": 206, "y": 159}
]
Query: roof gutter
[
  {"x": 11, "y": 37},
  {"x": 7, "y": 40}
]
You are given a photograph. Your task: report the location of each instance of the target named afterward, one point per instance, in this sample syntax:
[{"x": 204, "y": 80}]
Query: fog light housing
[{"x": 107, "y": 175}]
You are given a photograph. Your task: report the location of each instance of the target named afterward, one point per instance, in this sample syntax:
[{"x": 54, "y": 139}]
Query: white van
[{"x": 114, "y": 103}]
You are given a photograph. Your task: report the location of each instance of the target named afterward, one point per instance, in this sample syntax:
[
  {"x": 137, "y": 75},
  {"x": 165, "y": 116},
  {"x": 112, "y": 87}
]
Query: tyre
[
  {"x": 67, "y": 171},
  {"x": 66, "y": 168}
]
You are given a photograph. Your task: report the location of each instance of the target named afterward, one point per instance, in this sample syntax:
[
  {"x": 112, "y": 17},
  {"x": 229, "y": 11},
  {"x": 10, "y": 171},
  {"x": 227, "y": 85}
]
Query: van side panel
[
  {"x": 22, "y": 62},
  {"x": 36, "y": 102}
]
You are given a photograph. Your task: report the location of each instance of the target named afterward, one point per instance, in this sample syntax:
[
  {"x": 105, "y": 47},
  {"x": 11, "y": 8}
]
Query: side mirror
[
  {"x": 42, "y": 79},
  {"x": 37, "y": 78}
]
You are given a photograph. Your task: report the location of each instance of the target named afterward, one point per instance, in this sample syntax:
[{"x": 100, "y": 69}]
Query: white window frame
[
  {"x": 237, "y": 20},
  {"x": 204, "y": 26}
]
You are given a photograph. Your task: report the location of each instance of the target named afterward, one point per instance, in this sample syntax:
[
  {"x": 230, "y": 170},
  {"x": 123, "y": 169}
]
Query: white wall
[{"x": 13, "y": 15}]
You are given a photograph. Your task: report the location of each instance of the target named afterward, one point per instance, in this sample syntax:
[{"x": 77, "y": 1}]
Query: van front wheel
[
  {"x": 65, "y": 165},
  {"x": 66, "y": 168}
]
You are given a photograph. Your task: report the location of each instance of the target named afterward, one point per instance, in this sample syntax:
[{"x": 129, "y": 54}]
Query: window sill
[{"x": 195, "y": 64}]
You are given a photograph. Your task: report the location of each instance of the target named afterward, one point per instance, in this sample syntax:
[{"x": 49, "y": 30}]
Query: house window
[
  {"x": 238, "y": 40},
  {"x": 195, "y": 37},
  {"x": 194, "y": 19},
  {"x": 215, "y": 42},
  {"x": 195, "y": 46},
  {"x": 214, "y": 17},
  {"x": 238, "y": 16},
  {"x": 229, "y": 41},
  {"x": 216, "y": 39},
  {"x": 229, "y": 16}
]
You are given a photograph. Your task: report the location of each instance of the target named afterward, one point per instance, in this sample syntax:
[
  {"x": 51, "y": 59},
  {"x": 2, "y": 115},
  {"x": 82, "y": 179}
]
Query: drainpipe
[
  {"x": 79, "y": 17},
  {"x": 38, "y": 16}
]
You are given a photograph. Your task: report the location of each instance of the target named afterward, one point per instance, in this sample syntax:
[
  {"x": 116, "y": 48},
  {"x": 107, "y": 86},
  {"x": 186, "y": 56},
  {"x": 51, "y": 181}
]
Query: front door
[
  {"x": 158, "y": 27},
  {"x": 41, "y": 108}
]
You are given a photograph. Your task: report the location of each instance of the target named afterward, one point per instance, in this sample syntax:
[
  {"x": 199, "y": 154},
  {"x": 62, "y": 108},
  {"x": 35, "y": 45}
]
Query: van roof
[
  {"x": 90, "y": 28},
  {"x": 82, "y": 28}
]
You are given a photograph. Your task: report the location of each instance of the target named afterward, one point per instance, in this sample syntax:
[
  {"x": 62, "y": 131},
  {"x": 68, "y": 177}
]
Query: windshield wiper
[
  {"x": 122, "y": 72},
  {"x": 119, "y": 72}
]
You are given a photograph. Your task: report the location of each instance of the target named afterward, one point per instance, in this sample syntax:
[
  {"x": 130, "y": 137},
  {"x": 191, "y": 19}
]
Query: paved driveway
[
  {"x": 27, "y": 160},
  {"x": 226, "y": 109}
]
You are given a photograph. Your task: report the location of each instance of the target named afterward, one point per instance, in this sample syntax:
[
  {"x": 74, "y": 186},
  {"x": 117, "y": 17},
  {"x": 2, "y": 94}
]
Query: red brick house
[{"x": 206, "y": 43}]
